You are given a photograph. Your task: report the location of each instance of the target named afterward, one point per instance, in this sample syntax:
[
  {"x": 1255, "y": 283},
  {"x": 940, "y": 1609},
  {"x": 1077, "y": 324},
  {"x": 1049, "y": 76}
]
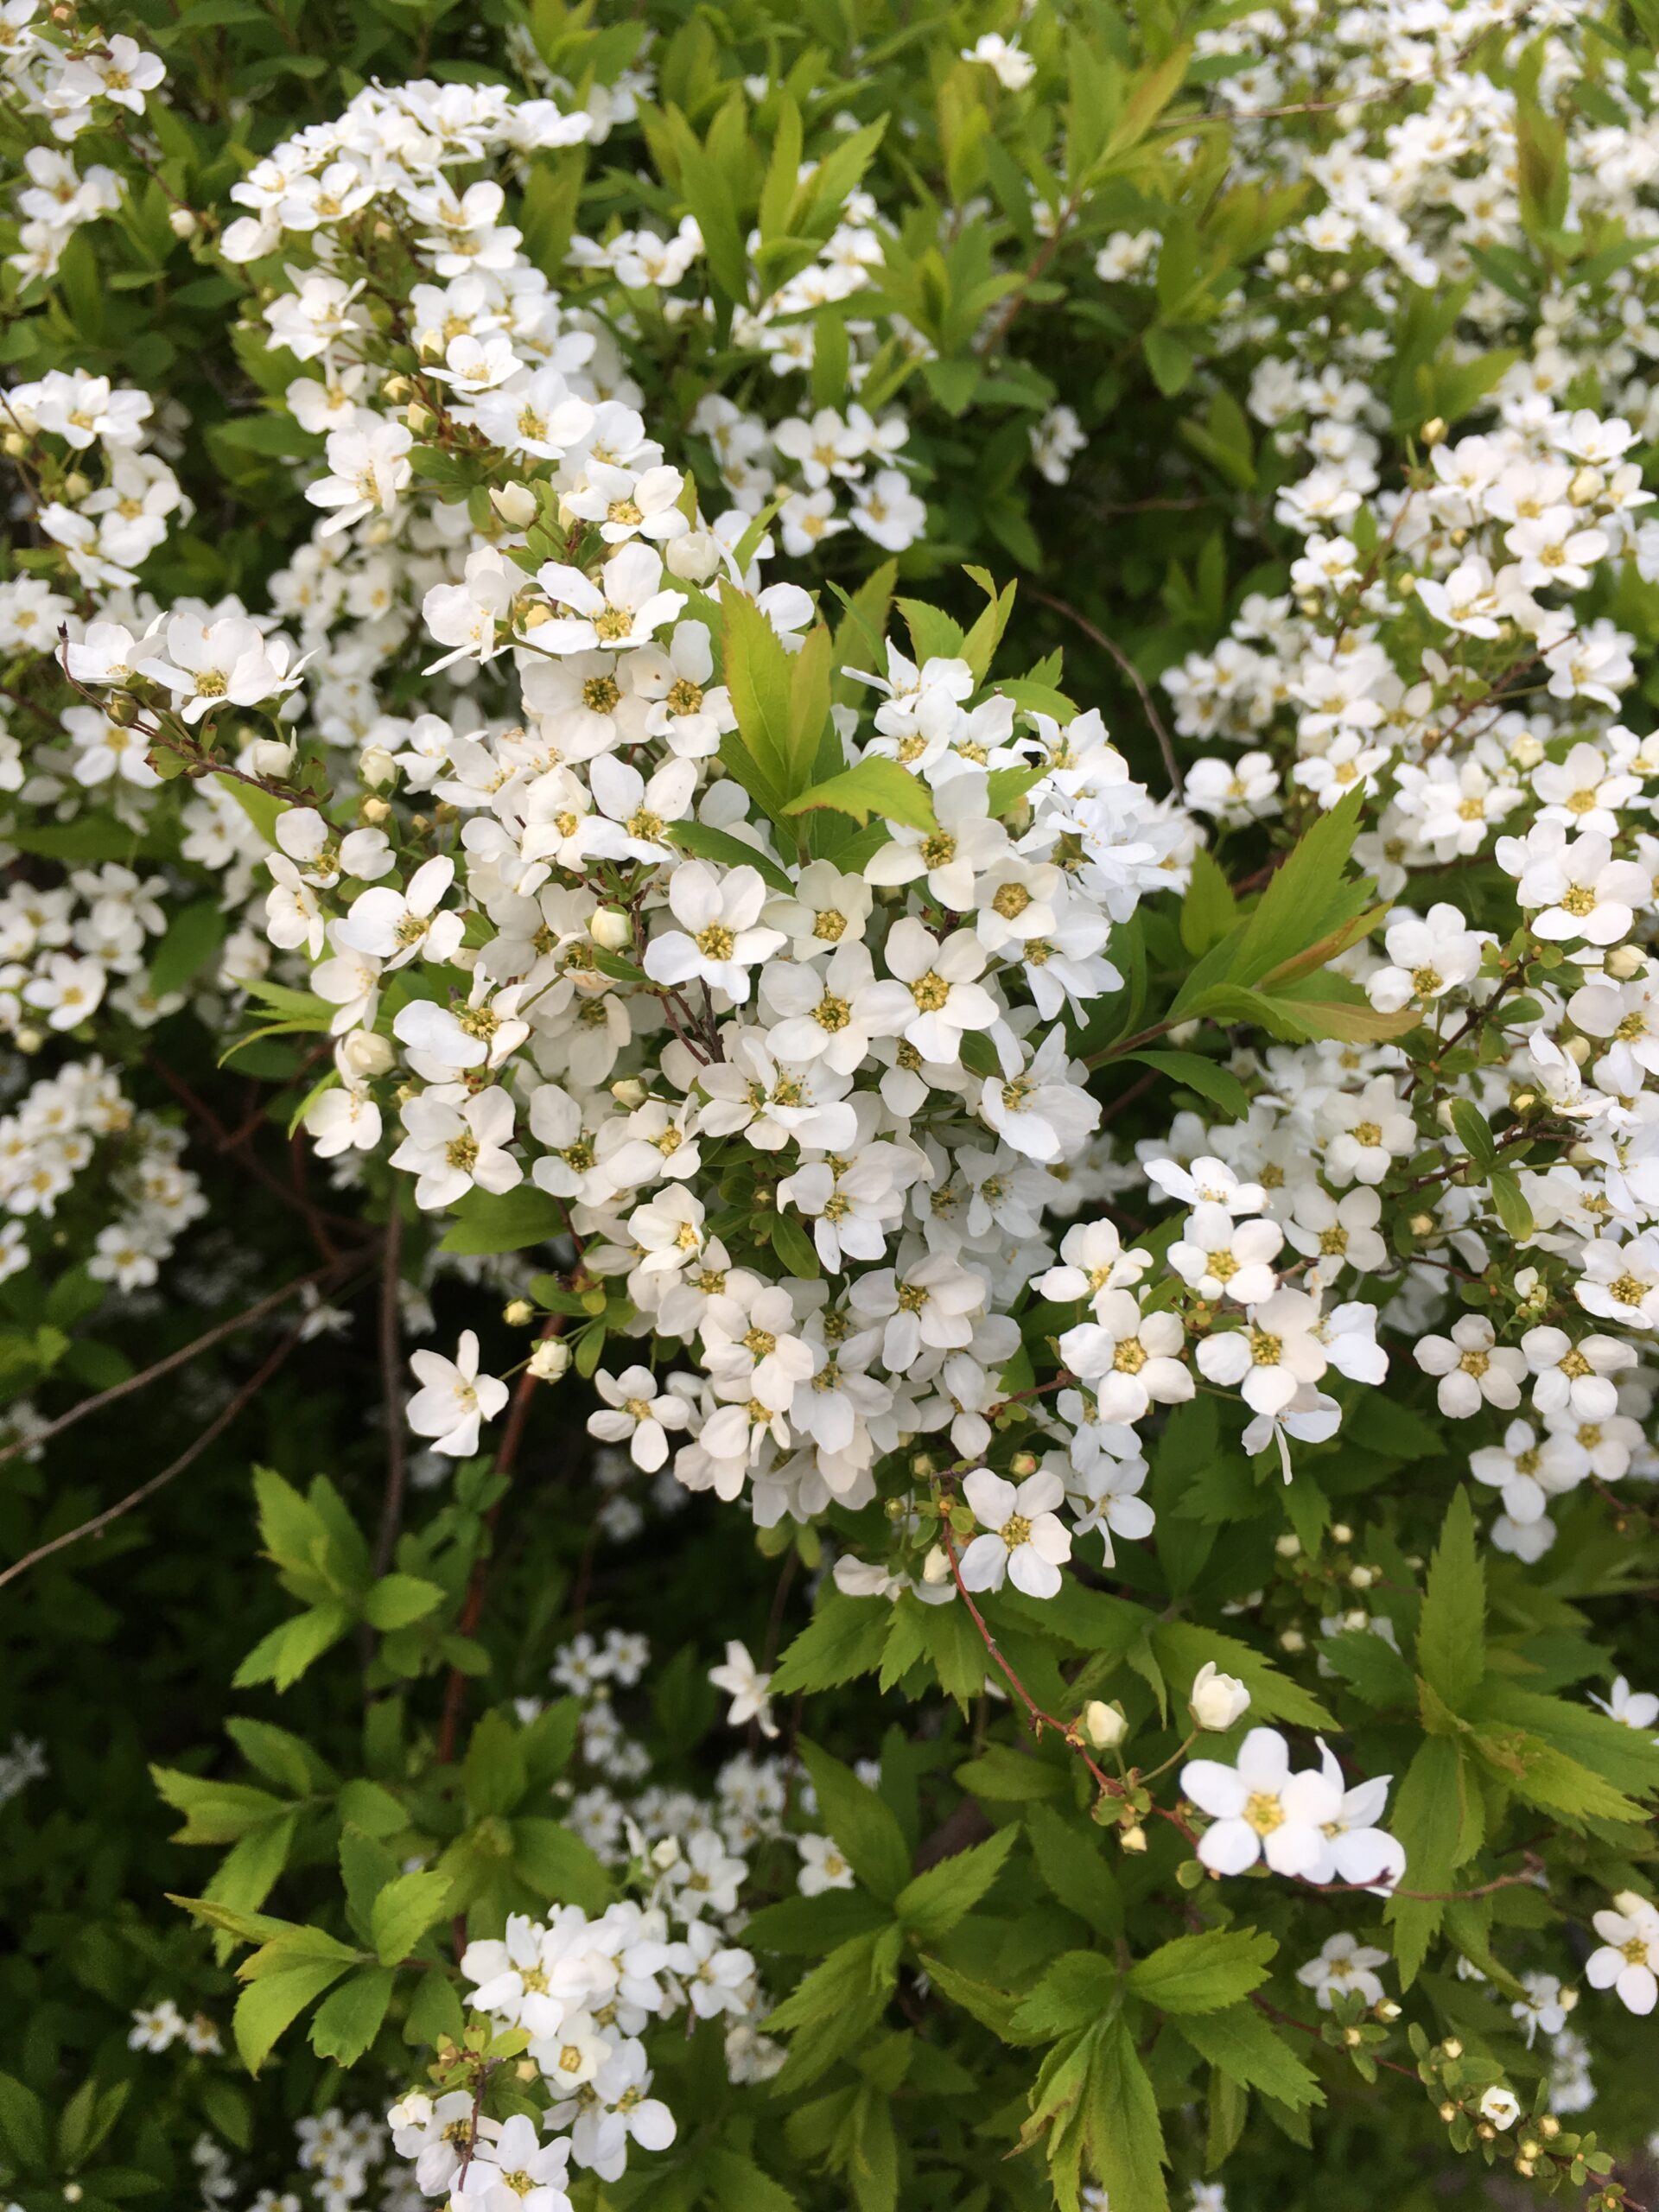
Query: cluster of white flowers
[
  {"x": 73, "y": 78},
  {"x": 63, "y": 1124}
]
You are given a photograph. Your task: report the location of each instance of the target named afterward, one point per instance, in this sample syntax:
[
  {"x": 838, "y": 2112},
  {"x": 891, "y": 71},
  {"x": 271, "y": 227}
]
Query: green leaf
[
  {"x": 193, "y": 937},
  {"x": 795, "y": 1247},
  {"x": 1477, "y": 1139},
  {"x": 1073, "y": 1865},
  {"x": 843, "y": 1639},
  {"x": 495, "y": 1775},
  {"x": 1241, "y": 2044},
  {"x": 1431, "y": 1819},
  {"x": 1202, "y": 1973},
  {"x": 870, "y": 1838},
  {"x": 398, "y": 1599},
  {"x": 488, "y": 1222},
  {"x": 1452, "y": 1627},
  {"x": 404, "y": 1910},
  {"x": 1208, "y": 1078},
  {"x": 837, "y": 2005},
  {"x": 706, "y": 844},
  {"x": 757, "y": 671},
  {"x": 271, "y": 2005},
  {"x": 734, "y": 2179},
  {"x": 1209, "y": 909},
  {"x": 1372, "y": 1668},
  {"x": 215, "y": 1812},
  {"x": 22, "y": 2123},
  {"x": 557, "y": 1864},
  {"x": 348, "y": 2023},
  {"x": 1124, "y": 2137},
  {"x": 931, "y": 1903},
  {"x": 1074, "y": 1991},
  {"x": 876, "y": 785}
]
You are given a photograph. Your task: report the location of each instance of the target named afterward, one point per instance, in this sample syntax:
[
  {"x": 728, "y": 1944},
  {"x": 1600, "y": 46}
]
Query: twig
[
  {"x": 215, "y": 1429},
  {"x": 392, "y": 1391},
  {"x": 1097, "y": 636},
  {"x": 473, "y": 1604},
  {"x": 163, "y": 1366}
]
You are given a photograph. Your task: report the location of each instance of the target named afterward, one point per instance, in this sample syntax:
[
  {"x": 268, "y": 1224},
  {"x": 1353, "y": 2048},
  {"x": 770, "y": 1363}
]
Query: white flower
[
  {"x": 452, "y": 1145},
  {"x": 719, "y": 940},
  {"x": 1273, "y": 1357},
  {"x": 1025, "y": 1541},
  {"x": 1259, "y": 1809},
  {"x": 1500, "y": 2105},
  {"x": 1130, "y": 1360},
  {"x": 625, "y": 610},
  {"x": 1473, "y": 1368},
  {"x": 1635, "y": 1708},
  {"x": 454, "y": 1398},
  {"x": 1013, "y": 66},
  {"x": 1344, "y": 1966},
  {"x": 822, "y": 1867},
  {"x": 745, "y": 1686},
  {"x": 1222, "y": 1258},
  {"x": 1217, "y": 1701},
  {"x": 637, "y": 1414},
  {"x": 1630, "y": 1952}
]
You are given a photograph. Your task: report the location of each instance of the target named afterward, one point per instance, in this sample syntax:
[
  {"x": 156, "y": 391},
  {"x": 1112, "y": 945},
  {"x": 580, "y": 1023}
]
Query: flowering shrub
[{"x": 827, "y": 973}]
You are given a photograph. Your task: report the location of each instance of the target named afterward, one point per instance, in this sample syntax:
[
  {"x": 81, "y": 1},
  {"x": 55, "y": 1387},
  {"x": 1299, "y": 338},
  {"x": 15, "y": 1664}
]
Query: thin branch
[
  {"x": 392, "y": 1391},
  {"x": 472, "y": 1608},
  {"x": 215, "y": 1428},
  {"x": 174, "y": 1359},
  {"x": 1149, "y": 708}
]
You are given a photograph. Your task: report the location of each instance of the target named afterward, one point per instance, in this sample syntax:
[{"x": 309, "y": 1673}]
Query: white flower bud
[
  {"x": 936, "y": 1567},
  {"x": 665, "y": 1853},
  {"x": 364, "y": 1054},
  {"x": 549, "y": 1359},
  {"x": 611, "y": 928},
  {"x": 1217, "y": 1701},
  {"x": 1500, "y": 2105},
  {"x": 269, "y": 756},
  {"x": 376, "y": 767},
  {"x": 629, "y": 1093},
  {"x": 519, "y": 1313},
  {"x": 694, "y": 558},
  {"x": 515, "y": 504},
  {"x": 1104, "y": 1725},
  {"x": 183, "y": 222},
  {"x": 1626, "y": 961}
]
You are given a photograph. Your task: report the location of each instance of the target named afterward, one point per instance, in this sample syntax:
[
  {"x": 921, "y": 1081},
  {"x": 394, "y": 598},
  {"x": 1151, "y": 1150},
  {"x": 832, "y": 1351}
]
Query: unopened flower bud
[
  {"x": 1386, "y": 2009},
  {"x": 665, "y": 1853},
  {"x": 366, "y": 1055},
  {"x": 1352, "y": 2037},
  {"x": 14, "y": 445},
  {"x": 1133, "y": 1838},
  {"x": 396, "y": 388},
  {"x": 519, "y": 1313},
  {"x": 28, "y": 1039},
  {"x": 1422, "y": 1224},
  {"x": 122, "y": 708},
  {"x": 612, "y": 928},
  {"x": 76, "y": 485},
  {"x": 1217, "y": 1701},
  {"x": 1451, "y": 2047},
  {"x": 1362, "y": 1577},
  {"x": 374, "y": 812},
  {"x": 1292, "y": 1640},
  {"x": 1624, "y": 962},
  {"x": 1448, "y": 2113},
  {"x": 1104, "y": 1725},
  {"x": 515, "y": 504},
  {"x": 1287, "y": 1547},
  {"x": 1021, "y": 1464},
  {"x": 183, "y": 222},
  {"x": 629, "y": 1093},
  {"x": 376, "y": 767},
  {"x": 549, "y": 1359},
  {"x": 419, "y": 417},
  {"x": 1578, "y": 1050},
  {"x": 1586, "y": 486},
  {"x": 271, "y": 756},
  {"x": 693, "y": 557},
  {"x": 936, "y": 1567},
  {"x": 1549, "y": 2126},
  {"x": 1433, "y": 431},
  {"x": 533, "y": 617},
  {"x": 1341, "y": 1532}
]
